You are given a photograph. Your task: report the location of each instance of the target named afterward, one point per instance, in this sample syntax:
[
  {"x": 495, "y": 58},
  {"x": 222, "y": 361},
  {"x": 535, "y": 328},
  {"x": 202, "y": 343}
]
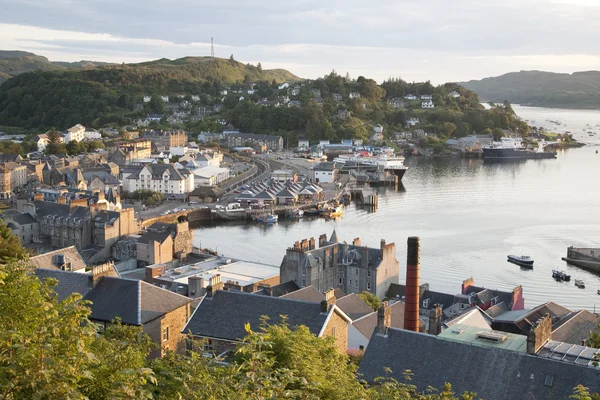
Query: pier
[{"x": 586, "y": 258}]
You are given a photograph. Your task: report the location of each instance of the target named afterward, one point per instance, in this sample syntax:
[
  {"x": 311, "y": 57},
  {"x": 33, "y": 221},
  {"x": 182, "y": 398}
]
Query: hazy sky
[{"x": 440, "y": 40}]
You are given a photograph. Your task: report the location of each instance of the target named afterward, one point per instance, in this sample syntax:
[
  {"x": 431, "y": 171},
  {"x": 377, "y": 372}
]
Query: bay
[{"x": 469, "y": 216}]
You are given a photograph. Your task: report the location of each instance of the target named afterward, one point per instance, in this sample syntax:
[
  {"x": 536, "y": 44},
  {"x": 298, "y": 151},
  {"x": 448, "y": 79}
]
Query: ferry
[
  {"x": 513, "y": 149},
  {"x": 388, "y": 161}
]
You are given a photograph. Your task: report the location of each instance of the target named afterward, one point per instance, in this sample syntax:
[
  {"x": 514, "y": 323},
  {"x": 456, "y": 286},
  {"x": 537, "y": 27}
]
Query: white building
[
  {"x": 165, "y": 98},
  {"x": 163, "y": 178},
  {"x": 354, "y": 95},
  {"x": 210, "y": 176},
  {"x": 92, "y": 134},
  {"x": 378, "y": 128},
  {"x": 284, "y": 85},
  {"x": 410, "y": 97},
  {"x": 303, "y": 144},
  {"x": 454, "y": 94},
  {"x": 182, "y": 150},
  {"x": 195, "y": 97},
  {"x": 42, "y": 141},
  {"x": 207, "y": 160},
  {"x": 325, "y": 172},
  {"x": 412, "y": 121},
  {"x": 426, "y": 97},
  {"x": 147, "y": 99},
  {"x": 427, "y": 104},
  {"x": 76, "y": 133}
]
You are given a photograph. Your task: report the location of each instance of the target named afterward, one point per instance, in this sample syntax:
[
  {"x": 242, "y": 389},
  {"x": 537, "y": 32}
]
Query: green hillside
[
  {"x": 13, "y": 63},
  {"x": 544, "y": 89}
]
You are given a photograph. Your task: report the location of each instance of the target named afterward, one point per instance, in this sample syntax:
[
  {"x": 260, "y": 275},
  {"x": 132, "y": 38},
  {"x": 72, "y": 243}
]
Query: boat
[
  {"x": 332, "y": 212},
  {"x": 513, "y": 149},
  {"x": 560, "y": 276},
  {"x": 579, "y": 283},
  {"x": 295, "y": 214},
  {"x": 598, "y": 291},
  {"x": 525, "y": 260},
  {"x": 267, "y": 218},
  {"x": 386, "y": 160}
]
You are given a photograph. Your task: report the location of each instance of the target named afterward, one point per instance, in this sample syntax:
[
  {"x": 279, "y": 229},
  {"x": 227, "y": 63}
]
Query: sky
[{"x": 417, "y": 40}]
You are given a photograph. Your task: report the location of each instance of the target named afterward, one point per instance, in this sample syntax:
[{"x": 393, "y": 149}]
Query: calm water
[{"x": 469, "y": 217}]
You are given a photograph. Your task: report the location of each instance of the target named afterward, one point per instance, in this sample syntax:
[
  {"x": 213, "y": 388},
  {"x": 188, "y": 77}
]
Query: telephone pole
[{"x": 212, "y": 49}]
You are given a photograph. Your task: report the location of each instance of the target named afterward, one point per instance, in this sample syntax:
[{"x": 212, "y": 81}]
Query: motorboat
[
  {"x": 332, "y": 212},
  {"x": 579, "y": 283},
  {"x": 560, "y": 276},
  {"x": 524, "y": 260},
  {"x": 598, "y": 291},
  {"x": 295, "y": 214},
  {"x": 267, "y": 219}
]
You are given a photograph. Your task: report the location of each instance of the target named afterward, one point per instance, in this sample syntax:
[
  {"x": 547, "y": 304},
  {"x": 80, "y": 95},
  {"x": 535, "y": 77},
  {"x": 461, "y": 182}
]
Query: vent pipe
[{"x": 411, "y": 305}]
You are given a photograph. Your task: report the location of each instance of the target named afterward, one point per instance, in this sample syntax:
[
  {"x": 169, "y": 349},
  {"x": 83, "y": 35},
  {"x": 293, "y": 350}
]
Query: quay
[{"x": 587, "y": 258}]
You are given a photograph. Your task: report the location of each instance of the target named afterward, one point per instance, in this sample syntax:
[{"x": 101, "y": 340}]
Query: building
[
  {"x": 163, "y": 178},
  {"x": 76, "y": 133},
  {"x": 410, "y": 97},
  {"x": 363, "y": 324},
  {"x": 351, "y": 268},
  {"x": 354, "y": 95},
  {"x": 91, "y": 134},
  {"x": 154, "y": 248},
  {"x": 220, "y": 319},
  {"x": 65, "y": 259},
  {"x": 325, "y": 172},
  {"x": 164, "y": 140},
  {"x": 454, "y": 94},
  {"x": 272, "y": 142},
  {"x": 413, "y": 121},
  {"x": 193, "y": 280},
  {"x": 210, "y": 176},
  {"x": 13, "y": 177},
  {"x": 485, "y": 365},
  {"x": 275, "y": 192},
  {"x": 282, "y": 175},
  {"x": 63, "y": 225},
  {"x": 23, "y": 226},
  {"x": 206, "y": 194},
  {"x": 396, "y": 103},
  {"x": 181, "y": 235},
  {"x": 427, "y": 104},
  {"x": 42, "y": 142},
  {"x": 303, "y": 145}
]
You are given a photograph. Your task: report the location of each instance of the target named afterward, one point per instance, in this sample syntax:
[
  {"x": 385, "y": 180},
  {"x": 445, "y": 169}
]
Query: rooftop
[
  {"x": 485, "y": 337},
  {"x": 51, "y": 261}
]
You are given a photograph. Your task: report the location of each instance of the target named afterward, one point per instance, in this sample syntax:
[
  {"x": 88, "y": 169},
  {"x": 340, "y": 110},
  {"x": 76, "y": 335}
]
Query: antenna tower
[{"x": 212, "y": 49}]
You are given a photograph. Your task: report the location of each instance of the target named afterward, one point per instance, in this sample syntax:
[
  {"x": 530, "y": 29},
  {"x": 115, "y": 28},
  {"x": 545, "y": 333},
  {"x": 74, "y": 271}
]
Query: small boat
[
  {"x": 560, "y": 276},
  {"x": 332, "y": 212},
  {"x": 525, "y": 260},
  {"x": 267, "y": 219},
  {"x": 579, "y": 283},
  {"x": 313, "y": 212},
  {"x": 598, "y": 291},
  {"x": 295, "y": 214}
]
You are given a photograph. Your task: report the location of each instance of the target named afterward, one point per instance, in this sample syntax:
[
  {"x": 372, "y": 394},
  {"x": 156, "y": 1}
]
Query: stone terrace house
[
  {"x": 221, "y": 316},
  {"x": 63, "y": 225},
  {"x": 492, "y": 373},
  {"x": 22, "y": 225},
  {"x": 164, "y": 140},
  {"x": 273, "y": 142},
  {"x": 352, "y": 268}
]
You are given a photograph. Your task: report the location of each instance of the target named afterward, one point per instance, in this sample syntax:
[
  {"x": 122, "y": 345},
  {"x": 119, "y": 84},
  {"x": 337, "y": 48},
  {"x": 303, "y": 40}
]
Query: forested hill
[
  {"x": 544, "y": 89},
  {"x": 13, "y": 63}
]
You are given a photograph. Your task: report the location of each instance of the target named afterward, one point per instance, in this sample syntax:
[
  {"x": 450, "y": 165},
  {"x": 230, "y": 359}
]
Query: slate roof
[
  {"x": 521, "y": 323},
  {"x": 283, "y": 288},
  {"x": 225, "y": 314},
  {"x": 484, "y": 295},
  {"x": 575, "y": 328},
  {"x": 159, "y": 237},
  {"x": 48, "y": 261},
  {"x": 157, "y": 171},
  {"x": 353, "y": 306},
  {"x": 496, "y": 310},
  {"x": 24, "y": 219},
  {"x": 44, "y": 208},
  {"x": 494, "y": 374},
  {"x": 135, "y": 302},
  {"x": 367, "y": 324},
  {"x": 309, "y": 293},
  {"x": 68, "y": 282}
]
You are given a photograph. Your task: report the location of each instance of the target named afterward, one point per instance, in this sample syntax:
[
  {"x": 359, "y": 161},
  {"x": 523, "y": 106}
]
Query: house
[
  {"x": 163, "y": 178},
  {"x": 337, "y": 97},
  {"x": 42, "y": 141},
  {"x": 315, "y": 92},
  {"x": 295, "y": 91},
  {"x": 91, "y": 134},
  {"x": 325, "y": 172},
  {"x": 303, "y": 144},
  {"x": 165, "y": 98},
  {"x": 219, "y": 322},
  {"x": 343, "y": 114},
  {"x": 426, "y": 97},
  {"x": 351, "y": 268},
  {"x": 486, "y": 364},
  {"x": 454, "y": 94},
  {"x": 282, "y": 175},
  {"x": 65, "y": 259},
  {"x": 154, "y": 248},
  {"x": 410, "y": 97},
  {"x": 294, "y": 103},
  {"x": 147, "y": 99},
  {"x": 63, "y": 225},
  {"x": 354, "y": 95},
  {"x": 377, "y": 137},
  {"x": 364, "y": 324},
  {"x": 206, "y": 194},
  {"x": 427, "y": 104},
  {"x": 396, "y": 103},
  {"x": 412, "y": 121},
  {"x": 23, "y": 226},
  {"x": 284, "y": 85},
  {"x": 210, "y": 176},
  {"x": 76, "y": 133},
  {"x": 13, "y": 177},
  {"x": 272, "y": 142}
]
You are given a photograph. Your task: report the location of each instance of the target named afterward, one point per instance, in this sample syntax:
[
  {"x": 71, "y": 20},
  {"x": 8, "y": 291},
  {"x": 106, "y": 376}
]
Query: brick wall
[
  {"x": 175, "y": 321},
  {"x": 337, "y": 327}
]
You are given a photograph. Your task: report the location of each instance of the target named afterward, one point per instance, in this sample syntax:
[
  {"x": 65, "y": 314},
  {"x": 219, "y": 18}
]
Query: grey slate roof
[
  {"x": 575, "y": 328},
  {"x": 367, "y": 324},
  {"x": 48, "y": 260},
  {"x": 24, "y": 219},
  {"x": 309, "y": 293},
  {"x": 494, "y": 374},
  {"x": 135, "y": 302},
  {"x": 225, "y": 314},
  {"x": 283, "y": 288},
  {"x": 68, "y": 282},
  {"x": 159, "y": 237},
  {"x": 353, "y": 306}
]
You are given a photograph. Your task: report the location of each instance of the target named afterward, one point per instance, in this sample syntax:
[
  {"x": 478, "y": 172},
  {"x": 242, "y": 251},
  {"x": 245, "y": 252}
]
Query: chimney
[
  {"x": 539, "y": 335},
  {"x": 467, "y": 283},
  {"x": 435, "y": 320},
  {"x": 29, "y": 208},
  {"x": 311, "y": 243},
  {"x": 356, "y": 242},
  {"x": 98, "y": 271},
  {"x": 411, "y": 305},
  {"x": 38, "y": 197},
  {"x": 297, "y": 245},
  {"x": 62, "y": 200},
  {"x": 304, "y": 244},
  {"x": 215, "y": 284},
  {"x": 322, "y": 240},
  {"x": 382, "y": 243},
  {"x": 330, "y": 298},
  {"x": 384, "y": 318},
  {"x": 518, "y": 302}
]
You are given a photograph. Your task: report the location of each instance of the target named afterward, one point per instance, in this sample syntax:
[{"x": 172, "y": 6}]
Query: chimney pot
[
  {"x": 382, "y": 243},
  {"x": 384, "y": 318},
  {"x": 435, "y": 320},
  {"x": 356, "y": 242}
]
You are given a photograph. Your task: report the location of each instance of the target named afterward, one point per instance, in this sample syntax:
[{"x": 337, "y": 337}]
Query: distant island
[{"x": 541, "y": 89}]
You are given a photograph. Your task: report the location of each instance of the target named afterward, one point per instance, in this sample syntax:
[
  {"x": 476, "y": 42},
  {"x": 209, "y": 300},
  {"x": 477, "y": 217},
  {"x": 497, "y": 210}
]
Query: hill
[{"x": 543, "y": 89}]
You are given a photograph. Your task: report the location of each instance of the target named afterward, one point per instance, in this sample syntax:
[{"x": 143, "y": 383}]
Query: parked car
[
  {"x": 172, "y": 197},
  {"x": 193, "y": 202}
]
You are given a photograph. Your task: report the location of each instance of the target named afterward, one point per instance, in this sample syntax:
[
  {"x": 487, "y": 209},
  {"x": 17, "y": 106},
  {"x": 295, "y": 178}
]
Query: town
[{"x": 112, "y": 225}]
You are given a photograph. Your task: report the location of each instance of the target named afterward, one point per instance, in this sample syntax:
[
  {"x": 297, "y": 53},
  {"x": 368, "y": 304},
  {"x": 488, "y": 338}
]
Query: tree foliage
[{"x": 371, "y": 300}]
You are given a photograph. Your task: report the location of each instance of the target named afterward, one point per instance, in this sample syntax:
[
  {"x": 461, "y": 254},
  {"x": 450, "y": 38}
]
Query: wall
[
  {"x": 389, "y": 264},
  {"x": 175, "y": 321},
  {"x": 341, "y": 331},
  {"x": 356, "y": 339}
]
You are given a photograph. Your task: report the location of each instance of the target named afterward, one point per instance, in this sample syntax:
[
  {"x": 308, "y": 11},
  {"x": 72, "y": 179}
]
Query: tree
[
  {"x": 259, "y": 67},
  {"x": 231, "y": 59},
  {"x": 448, "y": 128},
  {"x": 371, "y": 300},
  {"x": 157, "y": 105},
  {"x": 497, "y": 133},
  {"x": 10, "y": 245},
  {"x": 74, "y": 148}
]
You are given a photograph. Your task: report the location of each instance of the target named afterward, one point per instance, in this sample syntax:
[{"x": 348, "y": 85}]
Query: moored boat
[
  {"x": 525, "y": 260},
  {"x": 295, "y": 214},
  {"x": 560, "y": 276},
  {"x": 579, "y": 283},
  {"x": 267, "y": 219}
]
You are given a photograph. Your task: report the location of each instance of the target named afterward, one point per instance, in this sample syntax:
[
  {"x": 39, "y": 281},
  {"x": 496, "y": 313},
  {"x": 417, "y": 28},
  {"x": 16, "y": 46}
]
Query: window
[
  {"x": 165, "y": 334},
  {"x": 208, "y": 345},
  {"x": 368, "y": 285},
  {"x": 368, "y": 273},
  {"x": 425, "y": 303},
  {"x": 361, "y": 347},
  {"x": 340, "y": 284},
  {"x": 356, "y": 283}
]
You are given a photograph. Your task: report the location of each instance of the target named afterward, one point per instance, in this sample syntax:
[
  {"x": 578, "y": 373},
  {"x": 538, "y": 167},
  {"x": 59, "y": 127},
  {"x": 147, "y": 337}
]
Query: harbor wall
[{"x": 588, "y": 258}]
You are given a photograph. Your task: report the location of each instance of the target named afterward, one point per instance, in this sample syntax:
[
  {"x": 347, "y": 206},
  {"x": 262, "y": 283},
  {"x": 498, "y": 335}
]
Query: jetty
[{"x": 587, "y": 258}]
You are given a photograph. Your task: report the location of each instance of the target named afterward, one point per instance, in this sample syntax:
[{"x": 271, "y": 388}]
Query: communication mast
[{"x": 212, "y": 48}]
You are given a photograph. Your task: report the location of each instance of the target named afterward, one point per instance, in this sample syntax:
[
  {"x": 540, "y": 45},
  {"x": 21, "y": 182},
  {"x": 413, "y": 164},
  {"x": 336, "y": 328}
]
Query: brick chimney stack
[
  {"x": 311, "y": 243},
  {"x": 215, "y": 284},
  {"x": 411, "y": 302},
  {"x": 539, "y": 335},
  {"x": 356, "y": 242},
  {"x": 384, "y": 318},
  {"x": 435, "y": 320}
]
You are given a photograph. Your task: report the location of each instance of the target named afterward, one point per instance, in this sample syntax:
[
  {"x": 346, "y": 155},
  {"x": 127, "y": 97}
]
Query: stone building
[
  {"x": 272, "y": 142},
  {"x": 351, "y": 268},
  {"x": 181, "y": 234},
  {"x": 63, "y": 225},
  {"x": 220, "y": 318},
  {"x": 154, "y": 248},
  {"x": 164, "y": 140},
  {"x": 22, "y": 225},
  {"x": 13, "y": 176}
]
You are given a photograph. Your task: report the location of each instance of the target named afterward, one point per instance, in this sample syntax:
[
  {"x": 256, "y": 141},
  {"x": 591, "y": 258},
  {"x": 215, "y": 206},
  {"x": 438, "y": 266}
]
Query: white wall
[
  {"x": 324, "y": 176},
  {"x": 356, "y": 339}
]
